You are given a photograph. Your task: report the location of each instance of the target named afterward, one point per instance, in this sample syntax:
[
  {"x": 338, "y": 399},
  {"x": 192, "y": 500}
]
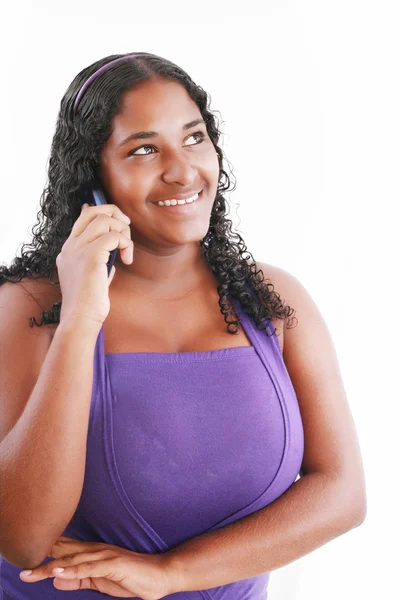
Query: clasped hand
[{"x": 105, "y": 568}]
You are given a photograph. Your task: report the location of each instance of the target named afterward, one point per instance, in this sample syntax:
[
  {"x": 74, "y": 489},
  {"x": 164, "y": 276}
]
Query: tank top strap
[
  {"x": 268, "y": 347},
  {"x": 100, "y": 380}
]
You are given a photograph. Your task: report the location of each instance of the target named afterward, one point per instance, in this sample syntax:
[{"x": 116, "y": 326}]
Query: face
[{"x": 173, "y": 162}]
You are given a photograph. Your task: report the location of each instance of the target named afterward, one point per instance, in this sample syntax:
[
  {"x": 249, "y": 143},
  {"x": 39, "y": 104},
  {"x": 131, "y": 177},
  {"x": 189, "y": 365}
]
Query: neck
[{"x": 169, "y": 276}]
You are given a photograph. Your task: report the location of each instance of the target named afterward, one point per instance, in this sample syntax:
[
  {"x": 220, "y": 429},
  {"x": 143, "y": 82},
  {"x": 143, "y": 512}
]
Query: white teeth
[{"x": 174, "y": 202}]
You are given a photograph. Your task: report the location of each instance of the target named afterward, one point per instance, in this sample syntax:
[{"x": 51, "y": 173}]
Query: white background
[{"x": 309, "y": 97}]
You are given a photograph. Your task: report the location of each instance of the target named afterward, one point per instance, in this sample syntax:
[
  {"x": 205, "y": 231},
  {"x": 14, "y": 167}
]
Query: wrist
[
  {"x": 174, "y": 573},
  {"x": 80, "y": 326}
]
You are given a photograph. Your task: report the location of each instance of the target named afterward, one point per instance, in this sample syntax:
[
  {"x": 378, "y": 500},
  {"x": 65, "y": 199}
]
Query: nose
[{"x": 178, "y": 168}]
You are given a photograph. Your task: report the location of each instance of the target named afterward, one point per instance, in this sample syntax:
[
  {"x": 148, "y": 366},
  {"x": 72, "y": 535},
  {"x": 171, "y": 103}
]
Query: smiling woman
[
  {"x": 177, "y": 166},
  {"x": 107, "y": 108},
  {"x": 143, "y": 423}
]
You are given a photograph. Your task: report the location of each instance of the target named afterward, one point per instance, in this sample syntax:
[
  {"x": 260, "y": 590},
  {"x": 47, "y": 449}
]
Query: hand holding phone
[{"x": 101, "y": 229}]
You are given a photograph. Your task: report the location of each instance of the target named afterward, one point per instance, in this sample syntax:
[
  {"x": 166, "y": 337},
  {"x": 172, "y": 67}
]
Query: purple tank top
[{"x": 180, "y": 444}]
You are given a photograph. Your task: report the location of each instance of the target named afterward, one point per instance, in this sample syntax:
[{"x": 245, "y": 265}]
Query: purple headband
[{"x": 96, "y": 74}]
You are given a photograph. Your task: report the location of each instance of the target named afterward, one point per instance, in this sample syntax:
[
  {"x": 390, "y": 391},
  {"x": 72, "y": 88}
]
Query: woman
[{"x": 149, "y": 446}]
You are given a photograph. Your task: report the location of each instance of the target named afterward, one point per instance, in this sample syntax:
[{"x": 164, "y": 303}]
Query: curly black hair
[{"x": 74, "y": 165}]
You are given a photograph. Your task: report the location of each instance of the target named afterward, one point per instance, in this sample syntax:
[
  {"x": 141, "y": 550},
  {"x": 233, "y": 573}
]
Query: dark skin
[
  {"x": 167, "y": 263},
  {"x": 327, "y": 501},
  {"x": 167, "y": 274}
]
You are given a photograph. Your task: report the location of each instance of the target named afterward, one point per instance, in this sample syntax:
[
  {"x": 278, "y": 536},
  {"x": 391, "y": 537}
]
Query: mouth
[{"x": 181, "y": 209}]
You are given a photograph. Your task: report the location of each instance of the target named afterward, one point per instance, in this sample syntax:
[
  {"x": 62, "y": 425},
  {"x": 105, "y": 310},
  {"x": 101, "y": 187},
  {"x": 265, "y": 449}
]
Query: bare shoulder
[
  {"x": 283, "y": 281},
  {"x": 307, "y": 315},
  {"x": 294, "y": 294}
]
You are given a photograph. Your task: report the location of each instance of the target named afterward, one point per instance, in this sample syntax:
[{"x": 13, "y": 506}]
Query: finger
[
  {"x": 65, "y": 539},
  {"x": 110, "y": 569},
  {"x": 88, "y": 213},
  {"x": 103, "y": 208},
  {"x": 108, "y": 242},
  {"x": 104, "y": 229},
  {"x": 61, "y": 549},
  {"x": 98, "y": 584},
  {"x": 103, "y": 224},
  {"x": 46, "y": 571},
  {"x": 64, "y": 545},
  {"x": 68, "y": 585}
]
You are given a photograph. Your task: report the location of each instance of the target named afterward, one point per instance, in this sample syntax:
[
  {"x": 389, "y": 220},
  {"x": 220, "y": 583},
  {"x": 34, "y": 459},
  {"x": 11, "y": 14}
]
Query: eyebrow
[{"x": 145, "y": 135}]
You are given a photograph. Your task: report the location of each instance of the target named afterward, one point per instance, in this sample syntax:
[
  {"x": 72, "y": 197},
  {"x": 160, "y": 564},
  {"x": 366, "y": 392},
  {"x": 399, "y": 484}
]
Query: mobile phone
[{"x": 95, "y": 196}]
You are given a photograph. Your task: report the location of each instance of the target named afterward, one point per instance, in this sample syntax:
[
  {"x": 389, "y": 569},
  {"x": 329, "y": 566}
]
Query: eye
[{"x": 133, "y": 152}]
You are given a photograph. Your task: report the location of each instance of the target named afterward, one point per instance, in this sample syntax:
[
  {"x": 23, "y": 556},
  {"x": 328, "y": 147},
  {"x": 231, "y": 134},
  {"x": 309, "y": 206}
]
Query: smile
[
  {"x": 174, "y": 202},
  {"x": 180, "y": 206}
]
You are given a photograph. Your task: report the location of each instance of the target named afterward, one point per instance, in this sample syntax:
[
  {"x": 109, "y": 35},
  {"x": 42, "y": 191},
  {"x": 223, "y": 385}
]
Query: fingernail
[
  {"x": 26, "y": 572},
  {"x": 59, "y": 570}
]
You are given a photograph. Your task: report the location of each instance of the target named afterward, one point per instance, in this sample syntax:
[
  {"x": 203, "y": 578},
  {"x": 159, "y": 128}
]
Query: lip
[{"x": 180, "y": 209}]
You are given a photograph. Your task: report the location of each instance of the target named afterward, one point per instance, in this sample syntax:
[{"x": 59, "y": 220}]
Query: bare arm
[
  {"x": 43, "y": 454},
  {"x": 313, "y": 511}
]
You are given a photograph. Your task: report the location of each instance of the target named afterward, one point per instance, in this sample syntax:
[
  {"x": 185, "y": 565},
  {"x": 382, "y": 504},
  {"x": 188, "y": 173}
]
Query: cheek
[
  {"x": 211, "y": 166},
  {"x": 125, "y": 186}
]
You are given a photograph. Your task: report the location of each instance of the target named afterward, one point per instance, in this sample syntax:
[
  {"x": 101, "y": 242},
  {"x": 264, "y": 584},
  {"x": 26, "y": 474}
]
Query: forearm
[
  {"x": 313, "y": 511},
  {"x": 42, "y": 459}
]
